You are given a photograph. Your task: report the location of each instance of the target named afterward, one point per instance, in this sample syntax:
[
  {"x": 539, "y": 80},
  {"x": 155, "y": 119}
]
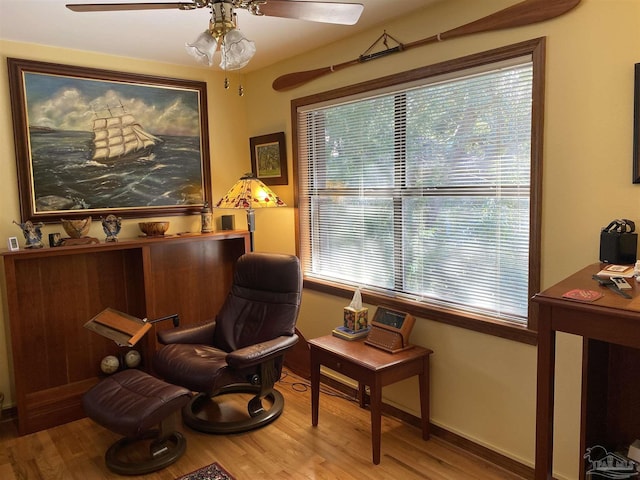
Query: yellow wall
[
  {"x": 228, "y": 143},
  {"x": 483, "y": 387}
]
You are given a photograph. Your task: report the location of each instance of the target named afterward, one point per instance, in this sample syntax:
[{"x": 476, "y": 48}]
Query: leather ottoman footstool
[{"x": 132, "y": 403}]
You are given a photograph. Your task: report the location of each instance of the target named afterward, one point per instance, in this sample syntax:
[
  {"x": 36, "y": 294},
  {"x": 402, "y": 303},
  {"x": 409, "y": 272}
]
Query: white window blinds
[{"x": 423, "y": 192}]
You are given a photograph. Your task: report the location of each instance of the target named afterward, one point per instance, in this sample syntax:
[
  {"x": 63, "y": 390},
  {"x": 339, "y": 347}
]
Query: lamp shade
[
  {"x": 237, "y": 50},
  {"x": 249, "y": 193},
  {"x": 203, "y": 48}
]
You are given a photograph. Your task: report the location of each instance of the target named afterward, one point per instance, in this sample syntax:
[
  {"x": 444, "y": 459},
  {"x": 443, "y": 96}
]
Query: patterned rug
[{"x": 210, "y": 472}]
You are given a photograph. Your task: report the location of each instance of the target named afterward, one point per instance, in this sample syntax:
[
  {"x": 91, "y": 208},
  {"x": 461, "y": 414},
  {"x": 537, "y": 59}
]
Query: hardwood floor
[{"x": 289, "y": 448}]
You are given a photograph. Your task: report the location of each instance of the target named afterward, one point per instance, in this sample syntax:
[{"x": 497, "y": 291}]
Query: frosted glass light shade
[
  {"x": 236, "y": 50},
  {"x": 203, "y": 48}
]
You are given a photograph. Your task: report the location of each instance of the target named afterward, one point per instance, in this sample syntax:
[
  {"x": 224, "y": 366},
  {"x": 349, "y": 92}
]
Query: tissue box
[{"x": 356, "y": 319}]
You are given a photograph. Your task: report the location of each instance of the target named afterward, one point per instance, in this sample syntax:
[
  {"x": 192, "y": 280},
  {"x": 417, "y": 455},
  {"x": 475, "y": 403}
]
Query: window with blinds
[{"x": 422, "y": 191}]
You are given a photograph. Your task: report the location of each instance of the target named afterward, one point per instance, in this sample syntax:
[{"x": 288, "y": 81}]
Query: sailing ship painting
[
  {"x": 119, "y": 136},
  {"x": 126, "y": 144}
]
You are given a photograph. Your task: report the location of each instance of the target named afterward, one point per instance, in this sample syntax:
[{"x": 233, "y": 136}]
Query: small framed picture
[
  {"x": 269, "y": 158},
  {"x": 13, "y": 244}
]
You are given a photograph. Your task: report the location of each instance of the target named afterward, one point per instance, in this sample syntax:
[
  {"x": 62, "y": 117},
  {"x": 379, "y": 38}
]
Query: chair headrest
[{"x": 273, "y": 272}]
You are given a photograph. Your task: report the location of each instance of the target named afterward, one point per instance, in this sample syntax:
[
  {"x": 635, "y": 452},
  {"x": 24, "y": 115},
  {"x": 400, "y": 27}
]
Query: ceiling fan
[{"x": 236, "y": 50}]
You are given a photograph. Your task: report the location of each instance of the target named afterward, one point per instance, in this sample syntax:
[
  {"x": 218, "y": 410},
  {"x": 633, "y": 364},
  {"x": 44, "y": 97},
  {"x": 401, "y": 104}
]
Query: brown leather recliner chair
[{"x": 242, "y": 350}]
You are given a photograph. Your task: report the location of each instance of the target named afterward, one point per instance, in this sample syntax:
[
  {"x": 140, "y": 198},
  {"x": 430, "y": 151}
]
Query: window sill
[{"x": 477, "y": 323}]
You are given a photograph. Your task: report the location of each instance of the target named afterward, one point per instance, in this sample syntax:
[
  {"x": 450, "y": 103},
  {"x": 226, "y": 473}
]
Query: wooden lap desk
[{"x": 373, "y": 367}]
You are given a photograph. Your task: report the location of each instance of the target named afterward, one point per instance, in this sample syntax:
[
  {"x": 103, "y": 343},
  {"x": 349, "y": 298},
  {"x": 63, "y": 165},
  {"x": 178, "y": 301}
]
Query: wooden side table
[{"x": 373, "y": 367}]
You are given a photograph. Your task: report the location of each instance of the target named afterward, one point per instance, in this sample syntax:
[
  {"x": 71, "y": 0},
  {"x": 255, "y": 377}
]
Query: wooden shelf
[{"x": 52, "y": 292}]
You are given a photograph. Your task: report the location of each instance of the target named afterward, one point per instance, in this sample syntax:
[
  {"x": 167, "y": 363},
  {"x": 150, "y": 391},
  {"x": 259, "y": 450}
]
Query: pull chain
[{"x": 227, "y": 83}]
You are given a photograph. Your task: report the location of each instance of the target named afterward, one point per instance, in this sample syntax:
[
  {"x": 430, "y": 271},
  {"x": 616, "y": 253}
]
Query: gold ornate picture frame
[{"x": 98, "y": 142}]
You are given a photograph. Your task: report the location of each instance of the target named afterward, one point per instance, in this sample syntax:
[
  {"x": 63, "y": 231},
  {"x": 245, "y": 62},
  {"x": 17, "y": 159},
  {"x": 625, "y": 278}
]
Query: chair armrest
[
  {"x": 199, "y": 334},
  {"x": 261, "y": 352}
]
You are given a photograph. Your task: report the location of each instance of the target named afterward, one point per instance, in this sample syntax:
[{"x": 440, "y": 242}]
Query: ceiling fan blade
[
  {"x": 325, "y": 12},
  {"x": 110, "y": 7}
]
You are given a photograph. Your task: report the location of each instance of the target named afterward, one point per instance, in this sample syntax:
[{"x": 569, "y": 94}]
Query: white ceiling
[{"x": 160, "y": 35}]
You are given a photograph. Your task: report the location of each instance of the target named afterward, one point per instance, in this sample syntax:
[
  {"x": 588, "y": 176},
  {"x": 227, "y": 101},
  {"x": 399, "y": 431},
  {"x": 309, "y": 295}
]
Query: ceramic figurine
[
  {"x": 32, "y": 233},
  {"x": 111, "y": 226},
  {"x": 207, "y": 219}
]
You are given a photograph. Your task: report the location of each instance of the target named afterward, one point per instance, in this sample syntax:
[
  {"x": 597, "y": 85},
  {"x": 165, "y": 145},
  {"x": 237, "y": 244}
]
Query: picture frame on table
[
  {"x": 12, "y": 244},
  {"x": 99, "y": 142},
  {"x": 269, "y": 158}
]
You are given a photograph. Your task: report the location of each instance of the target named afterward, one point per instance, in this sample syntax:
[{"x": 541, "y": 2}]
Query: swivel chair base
[
  {"x": 258, "y": 415},
  {"x": 161, "y": 454},
  {"x": 132, "y": 403}
]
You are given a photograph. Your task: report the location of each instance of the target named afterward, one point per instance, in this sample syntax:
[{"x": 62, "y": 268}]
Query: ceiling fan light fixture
[
  {"x": 222, "y": 19},
  {"x": 237, "y": 50}
]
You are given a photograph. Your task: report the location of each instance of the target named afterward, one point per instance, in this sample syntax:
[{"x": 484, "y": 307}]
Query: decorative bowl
[
  {"x": 153, "y": 229},
  {"x": 76, "y": 228}
]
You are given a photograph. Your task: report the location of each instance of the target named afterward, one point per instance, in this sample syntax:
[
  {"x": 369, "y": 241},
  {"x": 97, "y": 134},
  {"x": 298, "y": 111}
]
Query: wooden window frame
[{"x": 534, "y": 48}]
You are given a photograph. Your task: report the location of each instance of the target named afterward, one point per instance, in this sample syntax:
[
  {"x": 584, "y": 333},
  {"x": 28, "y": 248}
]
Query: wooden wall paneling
[
  {"x": 58, "y": 296},
  {"x": 595, "y": 385},
  {"x": 52, "y": 292},
  {"x": 191, "y": 279},
  {"x": 622, "y": 420},
  {"x": 32, "y": 346}
]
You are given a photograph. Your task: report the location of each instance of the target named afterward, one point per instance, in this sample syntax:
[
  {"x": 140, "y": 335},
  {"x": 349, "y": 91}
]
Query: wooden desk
[
  {"x": 610, "y": 327},
  {"x": 373, "y": 367}
]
